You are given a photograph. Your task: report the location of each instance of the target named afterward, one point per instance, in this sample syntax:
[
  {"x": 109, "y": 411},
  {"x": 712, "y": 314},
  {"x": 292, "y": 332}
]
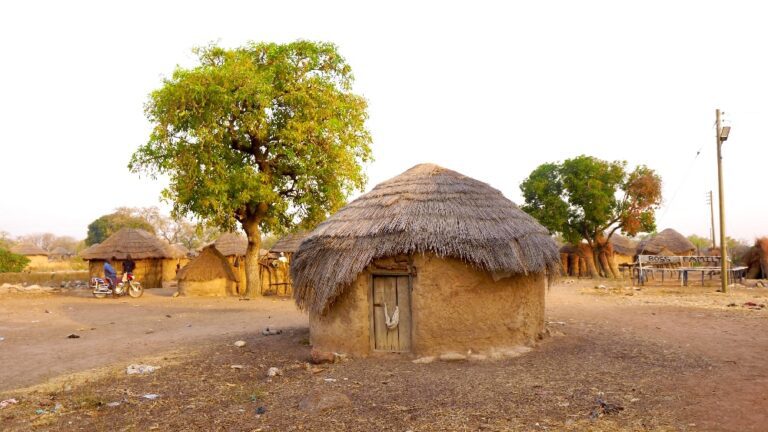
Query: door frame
[{"x": 371, "y": 324}]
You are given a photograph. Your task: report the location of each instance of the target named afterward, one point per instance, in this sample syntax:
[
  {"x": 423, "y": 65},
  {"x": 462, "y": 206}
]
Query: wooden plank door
[{"x": 394, "y": 292}]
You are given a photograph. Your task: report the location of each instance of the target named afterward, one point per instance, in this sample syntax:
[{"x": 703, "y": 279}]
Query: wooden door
[{"x": 394, "y": 292}]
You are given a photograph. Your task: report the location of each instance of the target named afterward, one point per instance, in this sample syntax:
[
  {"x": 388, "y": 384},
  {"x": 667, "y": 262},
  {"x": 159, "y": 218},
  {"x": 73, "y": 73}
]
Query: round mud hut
[
  {"x": 37, "y": 256},
  {"x": 156, "y": 261},
  {"x": 209, "y": 274},
  {"x": 428, "y": 262},
  {"x": 668, "y": 242}
]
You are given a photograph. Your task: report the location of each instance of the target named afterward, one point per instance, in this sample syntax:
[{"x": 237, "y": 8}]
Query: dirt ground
[{"x": 671, "y": 358}]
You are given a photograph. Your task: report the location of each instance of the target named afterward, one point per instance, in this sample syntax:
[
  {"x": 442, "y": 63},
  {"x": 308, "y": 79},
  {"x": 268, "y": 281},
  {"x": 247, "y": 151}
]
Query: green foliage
[
  {"x": 588, "y": 198},
  {"x": 701, "y": 243},
  {"x": 268, "y": 135},
  {"x": 10, "y": 262},
  {"x": 103, "y": 227}
]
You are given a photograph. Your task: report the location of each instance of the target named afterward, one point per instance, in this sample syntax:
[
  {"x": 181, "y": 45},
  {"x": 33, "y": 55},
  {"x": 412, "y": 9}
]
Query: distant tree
[
  {"x": 103, "y": 227},
  {"x": 702, "y": 243},
  {"x": 589, "y": 199},
  {"x": 10, "y": 262},
  {"x": 5, "y": 240},
  {"x": 268, "y": 136},
  {"x": 41, "y": 240}
]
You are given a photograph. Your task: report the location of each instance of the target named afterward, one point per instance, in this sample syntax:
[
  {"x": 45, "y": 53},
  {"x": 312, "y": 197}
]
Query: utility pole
[
  {"x": 711, "y": 203},
  {"x": 721, "y": 136}
]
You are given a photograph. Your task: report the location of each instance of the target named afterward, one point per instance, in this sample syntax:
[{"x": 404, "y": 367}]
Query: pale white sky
[{"x": 486, "y": 89}]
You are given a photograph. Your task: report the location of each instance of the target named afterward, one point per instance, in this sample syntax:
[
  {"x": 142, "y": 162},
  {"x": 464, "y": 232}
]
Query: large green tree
[
  {"x": 103, "y": 227},
  {"x": 268, "y": 136},
  {"x": 10, "y": 262},
  {"x": 589, "y": 199}
]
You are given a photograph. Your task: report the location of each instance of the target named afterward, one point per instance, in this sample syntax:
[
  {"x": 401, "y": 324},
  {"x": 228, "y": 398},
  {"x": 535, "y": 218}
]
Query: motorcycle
[{"x": 104, "y": 287}]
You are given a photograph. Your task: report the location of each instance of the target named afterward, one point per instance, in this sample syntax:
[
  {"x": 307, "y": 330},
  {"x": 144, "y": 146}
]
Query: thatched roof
[
  {"x": 61, "y": 251},
  {"x": 669, "y": 239},
  {"x": 289, "y": 243},
  {"x": 623, "y": 245},
  {"x": 427, "y": 209},
  {"x": 130, "y": 241},
  {"x": 231, "y": 244},
  {"x": 207, "y": 266},
  {"x": 183, "y": 250},
  {"x": 28, "y": 250}
]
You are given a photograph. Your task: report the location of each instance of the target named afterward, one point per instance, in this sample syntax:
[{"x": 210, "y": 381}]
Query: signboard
[{"x": 683, "y": 261}]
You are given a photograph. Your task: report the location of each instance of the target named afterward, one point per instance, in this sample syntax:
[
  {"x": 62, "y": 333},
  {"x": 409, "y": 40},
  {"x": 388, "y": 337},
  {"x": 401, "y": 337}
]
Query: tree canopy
[
  {"x": 589, "y": 199},
  {"x": 11, "y": 262},
  {"x": 103, "y": 227},
  {"x": 268, "y": 135}
]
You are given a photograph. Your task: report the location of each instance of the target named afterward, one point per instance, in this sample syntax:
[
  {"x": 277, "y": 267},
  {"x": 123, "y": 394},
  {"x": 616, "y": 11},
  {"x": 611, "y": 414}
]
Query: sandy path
[
  {"x": 36, "y": 346},
  {"x": 733, "y": 394}
]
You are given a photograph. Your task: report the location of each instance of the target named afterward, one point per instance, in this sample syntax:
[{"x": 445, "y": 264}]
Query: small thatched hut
[
  {"x": 36, "y": 255},
  {"x": 668, "y": 242},
  {"x": 427, "y": 262},
  {"x": 624, "y": 249},
  {"x": 60, "y": 253},
  {"x": 156, "y": 261},
  {"x": 276, "y": 265},
  {"x": 209, "y": 274}
]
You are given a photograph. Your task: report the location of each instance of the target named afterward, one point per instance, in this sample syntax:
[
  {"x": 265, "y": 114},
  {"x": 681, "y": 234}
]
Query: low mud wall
[{"x": 43, "y": 278}]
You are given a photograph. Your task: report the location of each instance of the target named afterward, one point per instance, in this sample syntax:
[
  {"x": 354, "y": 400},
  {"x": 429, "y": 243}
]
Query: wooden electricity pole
[
  {"x": 712, "y": 226},
  {"x": 723, "y": 246}
]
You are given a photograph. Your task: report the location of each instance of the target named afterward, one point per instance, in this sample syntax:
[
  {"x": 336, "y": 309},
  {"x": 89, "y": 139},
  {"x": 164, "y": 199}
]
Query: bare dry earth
[{"x": 673, "y": 359}]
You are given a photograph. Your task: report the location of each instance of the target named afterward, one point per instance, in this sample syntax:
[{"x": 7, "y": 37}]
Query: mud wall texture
[
  {"x": 219, "y": 287},
  {"x": 148, "y": 271},
  {"x": 455, "y": 307},
  {"x": 345, "y": 327}
]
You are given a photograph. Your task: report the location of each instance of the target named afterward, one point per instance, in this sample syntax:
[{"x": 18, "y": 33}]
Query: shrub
[{"x": 10, "y": 262}]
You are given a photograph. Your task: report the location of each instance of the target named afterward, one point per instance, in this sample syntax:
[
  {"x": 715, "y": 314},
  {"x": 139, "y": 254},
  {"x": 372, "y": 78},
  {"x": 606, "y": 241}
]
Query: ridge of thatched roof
[
  {"x": 289, "y": 243},
  {"x": 623, "y": 245},
  {"x": 27, "y": 249},
  {"x": 209, "y": 265},
  {"x": 231, "y": 244},
  {"x": 427, "y": 209},
  {"x": 137, "y": 243},
  {"x": 668, "y": 239}
]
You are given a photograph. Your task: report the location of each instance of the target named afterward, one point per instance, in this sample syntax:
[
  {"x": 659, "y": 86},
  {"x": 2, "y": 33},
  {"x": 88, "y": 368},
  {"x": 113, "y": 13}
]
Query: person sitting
[
  {"x": 128, "y": 267},
  {"x": 110, "y": 274}
]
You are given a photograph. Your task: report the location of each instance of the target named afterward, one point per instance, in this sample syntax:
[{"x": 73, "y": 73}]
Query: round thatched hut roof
[
  {"x": 289, "y": 243},
  {"x": 623, "y": 245},
  {"x": 130, "y": 241},
  {"x": 667, "y": 240},
  {"x": 61, "y": 250},
  {"x": 427, "y": 209},
  {"x": 207, "y": 266},
  {"x": 28, "y": 250},
  {"x": 231, "y": 244}
]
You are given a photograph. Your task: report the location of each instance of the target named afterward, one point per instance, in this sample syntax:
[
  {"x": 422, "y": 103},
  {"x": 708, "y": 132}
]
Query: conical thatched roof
[
  {"x": 623, "y": 245},
  {"x": 28, "y": 250},
  {"x": 289, "y": 243},
  {"x": 207, "y": 266},
  {"x": 130, "y": 241},
  {"x": 61, "y": 251},
  {"x": 669, "y": 239},
  {"x": 231, "y": 244},
  {"x": 425, "y": 209}
]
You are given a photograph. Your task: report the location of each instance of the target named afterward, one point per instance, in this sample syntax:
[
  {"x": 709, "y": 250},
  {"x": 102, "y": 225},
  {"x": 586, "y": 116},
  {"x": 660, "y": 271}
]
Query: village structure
[{"x": 402, "y": 217}]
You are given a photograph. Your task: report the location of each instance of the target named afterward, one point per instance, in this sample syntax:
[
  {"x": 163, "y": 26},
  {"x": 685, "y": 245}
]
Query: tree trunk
[
  {"x": 252, "y": 270},
  {"x": 590, "y": 259}
]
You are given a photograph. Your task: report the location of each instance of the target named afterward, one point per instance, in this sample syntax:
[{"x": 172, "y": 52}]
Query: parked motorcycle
[{"x": 104, "y": 287}]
